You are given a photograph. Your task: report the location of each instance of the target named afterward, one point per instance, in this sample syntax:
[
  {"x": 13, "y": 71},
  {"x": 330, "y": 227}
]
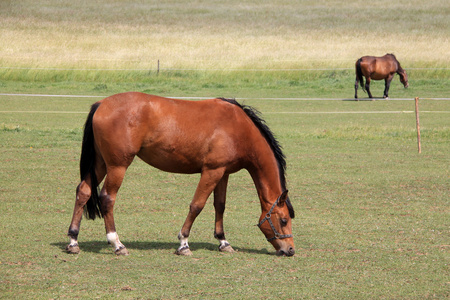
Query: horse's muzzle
[{"x": 289, "y": 252}]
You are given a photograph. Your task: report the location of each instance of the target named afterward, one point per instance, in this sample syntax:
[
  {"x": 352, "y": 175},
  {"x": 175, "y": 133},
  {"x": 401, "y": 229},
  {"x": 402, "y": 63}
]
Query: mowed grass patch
[{"x": 371, "y": 212}]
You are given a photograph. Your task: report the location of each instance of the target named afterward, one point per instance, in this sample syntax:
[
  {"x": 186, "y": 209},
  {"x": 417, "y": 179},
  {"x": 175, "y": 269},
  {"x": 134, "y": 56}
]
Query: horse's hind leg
[
  {"x": 84, "y": 190},
  {"x": 82, "y": 196},
  {"x": 220, "y": 193},
  {"x": 108, "y": 194},
  {"x": 367, "y": 86},
  {"x": 356, "y": 87}
]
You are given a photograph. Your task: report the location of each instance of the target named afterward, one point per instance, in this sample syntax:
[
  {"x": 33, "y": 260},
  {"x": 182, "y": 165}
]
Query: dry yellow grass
[{"x": 214, "y": 34}]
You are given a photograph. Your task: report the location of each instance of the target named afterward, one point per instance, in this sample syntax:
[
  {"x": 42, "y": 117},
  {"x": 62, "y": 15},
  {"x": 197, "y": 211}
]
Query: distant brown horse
[
  {"x": 378, "y": 68},
  {"x": 214, "y": 137}
]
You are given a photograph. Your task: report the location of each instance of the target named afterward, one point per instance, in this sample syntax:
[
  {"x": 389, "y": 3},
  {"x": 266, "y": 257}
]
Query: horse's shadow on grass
[
  {"x": 102, "y": 246},
  {"x": 364, "y": 99}
]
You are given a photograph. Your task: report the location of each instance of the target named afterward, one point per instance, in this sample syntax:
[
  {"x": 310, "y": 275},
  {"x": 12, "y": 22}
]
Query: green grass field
[{"x": 372, "y": 215}]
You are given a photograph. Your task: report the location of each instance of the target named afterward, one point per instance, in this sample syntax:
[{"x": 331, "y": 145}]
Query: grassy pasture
[{"x": 372, "y": 214}]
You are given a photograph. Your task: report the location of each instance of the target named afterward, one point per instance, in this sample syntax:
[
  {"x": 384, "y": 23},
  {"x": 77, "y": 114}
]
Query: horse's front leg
[
  {"x": 387, "y": 84},
  {"x": 220, "y": 193},
  {"x": 107, "y": 199},
  {"x": 208, "y": 182}
]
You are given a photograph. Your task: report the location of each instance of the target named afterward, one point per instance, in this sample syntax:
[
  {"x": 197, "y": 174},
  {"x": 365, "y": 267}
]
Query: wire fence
[
  {"x": 157, "y": 69},
  {"x": 239, "y": 98}
]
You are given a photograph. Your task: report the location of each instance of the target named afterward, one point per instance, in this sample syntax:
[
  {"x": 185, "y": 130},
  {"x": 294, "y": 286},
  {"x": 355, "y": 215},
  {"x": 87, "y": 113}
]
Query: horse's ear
[{"x": 283, "y": 198}]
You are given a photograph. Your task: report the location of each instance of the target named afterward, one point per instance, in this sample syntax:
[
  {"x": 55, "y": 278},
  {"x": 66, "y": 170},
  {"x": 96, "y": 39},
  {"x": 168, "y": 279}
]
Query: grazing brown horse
[
  {"x": 214, "y": 137},
  {"x": 378, "y": 68}
]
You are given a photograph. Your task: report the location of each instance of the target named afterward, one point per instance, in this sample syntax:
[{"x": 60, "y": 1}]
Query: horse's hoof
[
  {"x": 184, "y": 251},
  {"x": 226, "y": 248},
  {"x": 122, "y": 251},
  {"x": 73, "y": 249}
]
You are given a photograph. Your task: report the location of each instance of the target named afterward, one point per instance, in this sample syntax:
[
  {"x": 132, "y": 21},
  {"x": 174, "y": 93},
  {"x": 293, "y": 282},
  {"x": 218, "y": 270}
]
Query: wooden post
[
  {"x": 418, "y": 125},
  {"x": 157, "y": 71}
]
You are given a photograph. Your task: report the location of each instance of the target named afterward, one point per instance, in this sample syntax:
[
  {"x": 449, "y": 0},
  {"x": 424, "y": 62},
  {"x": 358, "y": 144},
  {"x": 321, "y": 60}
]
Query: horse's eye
[{"x": 283, "y": 222}]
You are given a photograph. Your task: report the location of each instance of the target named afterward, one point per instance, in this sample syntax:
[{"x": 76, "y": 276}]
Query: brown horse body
[
  {"x": 214, "y": 137},
  {"x": 378, "y": 68}
]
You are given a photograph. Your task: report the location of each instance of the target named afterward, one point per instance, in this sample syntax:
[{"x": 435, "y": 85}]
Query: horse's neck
[
  {"x": 399, "y": 68},
  {"x": 266, "y": 176},
  {"x": 400, "y": 72}
]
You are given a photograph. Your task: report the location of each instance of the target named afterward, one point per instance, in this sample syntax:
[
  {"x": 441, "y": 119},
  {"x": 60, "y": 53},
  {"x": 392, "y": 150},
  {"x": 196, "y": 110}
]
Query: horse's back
[
  {"x": 172, "y": 135},
  {"x": 366, "y": 65},
  {"x": 378, "y": 67}
]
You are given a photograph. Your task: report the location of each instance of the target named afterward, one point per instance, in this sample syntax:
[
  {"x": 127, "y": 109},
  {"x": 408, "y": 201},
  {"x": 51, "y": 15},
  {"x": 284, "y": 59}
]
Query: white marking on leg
[
  {"x": 183, "y": 241},
  {"x": 73, "y": 242},
  {"x": 113, "y": 239},
  {"x": 223, "y": 244}
]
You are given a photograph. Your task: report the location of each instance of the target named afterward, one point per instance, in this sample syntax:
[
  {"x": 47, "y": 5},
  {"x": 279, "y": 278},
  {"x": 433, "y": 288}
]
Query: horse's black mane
[
  {"x": 255, "y": 116},
  {"x": 392, "y": 54},
  {"x": 400, "y": 69}
]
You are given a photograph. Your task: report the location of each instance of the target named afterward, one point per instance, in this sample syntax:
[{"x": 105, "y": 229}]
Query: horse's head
[
  {"x": 403, "y": 78},
  {"x": 276, "y": 225}
]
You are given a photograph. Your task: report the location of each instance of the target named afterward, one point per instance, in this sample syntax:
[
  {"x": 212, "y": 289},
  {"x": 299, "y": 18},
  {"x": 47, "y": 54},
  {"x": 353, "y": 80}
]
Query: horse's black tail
[
  {"x": 359, "y": 74},
  {"x": 87, "y": 166}
]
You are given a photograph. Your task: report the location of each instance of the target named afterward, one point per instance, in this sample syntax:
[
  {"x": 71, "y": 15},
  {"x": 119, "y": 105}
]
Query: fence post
[{"x": 418, "y": 125}]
